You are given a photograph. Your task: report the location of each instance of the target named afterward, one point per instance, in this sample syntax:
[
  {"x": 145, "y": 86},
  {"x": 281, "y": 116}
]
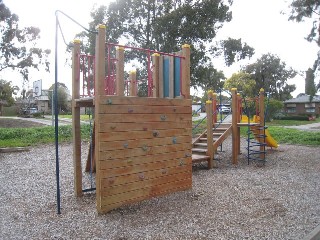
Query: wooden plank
[
  {"x": 144, "y": 183},
  {"x": 168, "y": 117},
  {"x": 129, "y": 161},
  {"x": 106, "y": 137},
  {"x": 146, "y": 167},
  {"x": 143, "y": 151},
  {"x": 14, "y": 149},
  {"x": 146, "y": 192},
  {"x": 109, "y": 100},
  {"x": 123, "y": 144},
  {"x": 138, "y": 109},
  {"x": 111, "y": 180},
  {"x": 142, "y": 126},
  {"x": 109, "y": 207}
]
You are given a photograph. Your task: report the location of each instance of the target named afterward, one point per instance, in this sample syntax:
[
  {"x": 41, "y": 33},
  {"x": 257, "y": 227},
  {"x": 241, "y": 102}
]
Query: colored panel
[
  {"x": 166, "y": 76},
  {"x": 177, "y": 76}
]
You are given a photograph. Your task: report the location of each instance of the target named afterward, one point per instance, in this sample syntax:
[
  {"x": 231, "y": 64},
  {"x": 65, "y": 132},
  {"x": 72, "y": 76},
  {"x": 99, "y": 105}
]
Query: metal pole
[
  {"x": 56, "y": 117},
  {"x": 52, "y": 109}
]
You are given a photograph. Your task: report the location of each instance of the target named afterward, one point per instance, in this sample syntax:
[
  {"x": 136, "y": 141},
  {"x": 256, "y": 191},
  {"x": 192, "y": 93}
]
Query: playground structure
[
  {"x": 204, "y": 147},
  {"x": 141, "y": 146}
]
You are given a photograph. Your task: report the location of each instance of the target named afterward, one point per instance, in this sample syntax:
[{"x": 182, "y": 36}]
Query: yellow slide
[{"x": 270, "y": 141}]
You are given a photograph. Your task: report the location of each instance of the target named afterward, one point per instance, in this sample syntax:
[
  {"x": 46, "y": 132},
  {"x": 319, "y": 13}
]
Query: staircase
[{"x": 199, "y": 147}]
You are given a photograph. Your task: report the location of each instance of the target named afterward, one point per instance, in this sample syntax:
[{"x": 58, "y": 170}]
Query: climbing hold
[
  {"x": 109, "y": 101},
  {"x": 111, "y": 180},
  {"x": 125, "y": 145},
  {"x": 163, "y": 117},
  {"x": 155, "y": 133},
  {"x": 129, "y": 161},
  {"x": 187, "y": 155},
  {"x": 141, "y": 176},
  {"x": 174, "y": 109},
  {"x": 130, "y": 110},
  {"x": 164, "y": 171},
  {"x": 113, "y": 127},
  {"x": 174, "y": 140},
  {"x": 181, "y": 162},
  {"x": 145, "y": 148},
  {"x": 145, "y": 128}
]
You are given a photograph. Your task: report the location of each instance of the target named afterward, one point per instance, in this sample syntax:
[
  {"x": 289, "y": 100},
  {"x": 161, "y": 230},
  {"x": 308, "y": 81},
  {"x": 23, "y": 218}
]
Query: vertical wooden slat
[
  {"x": 120, "y": 71},
  {"x": 155, "y": 74},
  {"x": 76, "y": 133},
  {"x": 186, "y": 71},
  {"x": 99, "y": 91},
  {"x": 133, "y": 83}
]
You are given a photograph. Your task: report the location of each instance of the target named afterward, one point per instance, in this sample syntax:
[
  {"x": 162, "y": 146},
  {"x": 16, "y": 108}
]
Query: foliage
[
  {"x": 6, "y": 91},
  {"x": 165, "y": 25},
  {"x": 272, "y": 107},
  {"x": 233, "y": 50},
  {"x": 18, "y": 47},
  {"x": 294, "y": 117},
  {"x": 63, "y": 97},
  {"x": 310, "y": 87},
  {"x": 271, "y": 74},
  {"x": 243, "y": 82},
  {"x": 289, "y": 122},
  {"x": 301, "y": 9}
]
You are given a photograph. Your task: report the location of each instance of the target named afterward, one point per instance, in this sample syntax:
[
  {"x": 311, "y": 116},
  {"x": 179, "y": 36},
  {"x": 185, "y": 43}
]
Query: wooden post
[
  {"x": 185, "y": 88},
  {"x": 133, "y": 83},
  {"x": 238, "y": 121},
  {"x": 156, "y": 74},
  {"x": 210, "y": 97},
  {"x": 99, "y": 91},
  {"x": 210, "y": 152},
  {"x": 76, "y": 133},
  {"x": 261, "y": 115},
  {"x": 120, "y": 71},
  {"x": 214, "y": 108},
  {"x": 235, "y": 137}
]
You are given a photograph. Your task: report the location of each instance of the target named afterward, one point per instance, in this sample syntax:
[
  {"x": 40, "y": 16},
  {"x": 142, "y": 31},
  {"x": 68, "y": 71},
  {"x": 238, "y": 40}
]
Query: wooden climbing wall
[{"x": 143, "y": 148}]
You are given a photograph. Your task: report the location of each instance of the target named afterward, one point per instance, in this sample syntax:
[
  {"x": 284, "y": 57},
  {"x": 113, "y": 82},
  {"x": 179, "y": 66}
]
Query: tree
[
  {"x": 165, "y": 25},
  {"x": 6, "y": 92},
  {"x": 63, "y": 97},
  {"x": 304, "y": 9},
  {"x": 301, "y": 9},
  {"x": 310, "y": 87},
  {"x": 18, "y": 46},
  {"x": 271, "y": 74},
  {"x": 243, "y": 82}
]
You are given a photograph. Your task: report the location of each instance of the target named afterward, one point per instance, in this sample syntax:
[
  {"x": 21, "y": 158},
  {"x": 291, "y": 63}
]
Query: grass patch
[
  {"x": 289, "y": 136},
  {"x": 290, "y": 122},
  {"x": 16, "y": 137}
]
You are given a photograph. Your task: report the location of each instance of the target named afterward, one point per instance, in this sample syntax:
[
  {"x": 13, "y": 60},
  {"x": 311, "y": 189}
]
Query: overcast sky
[{"x": 257, "y": 22}]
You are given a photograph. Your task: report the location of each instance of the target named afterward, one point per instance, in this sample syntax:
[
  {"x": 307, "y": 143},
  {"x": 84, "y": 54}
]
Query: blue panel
[
  {"x": 177, "y": 76},
  {"x": 166, "y": 77}
]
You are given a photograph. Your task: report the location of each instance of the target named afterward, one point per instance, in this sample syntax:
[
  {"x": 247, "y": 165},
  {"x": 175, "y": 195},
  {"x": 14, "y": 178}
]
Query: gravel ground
[{"x": 279, "y": 200}]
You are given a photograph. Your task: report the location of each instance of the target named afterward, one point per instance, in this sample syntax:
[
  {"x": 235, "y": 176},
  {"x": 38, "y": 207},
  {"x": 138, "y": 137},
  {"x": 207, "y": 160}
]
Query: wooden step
[
  {"x": 201, "y": 144},
  {"x": 199, "y": 150},
  {"x": 200, "y": 158}
]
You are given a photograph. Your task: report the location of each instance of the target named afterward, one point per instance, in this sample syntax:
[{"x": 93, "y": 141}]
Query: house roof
[{"x": 303, "y": 99}]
